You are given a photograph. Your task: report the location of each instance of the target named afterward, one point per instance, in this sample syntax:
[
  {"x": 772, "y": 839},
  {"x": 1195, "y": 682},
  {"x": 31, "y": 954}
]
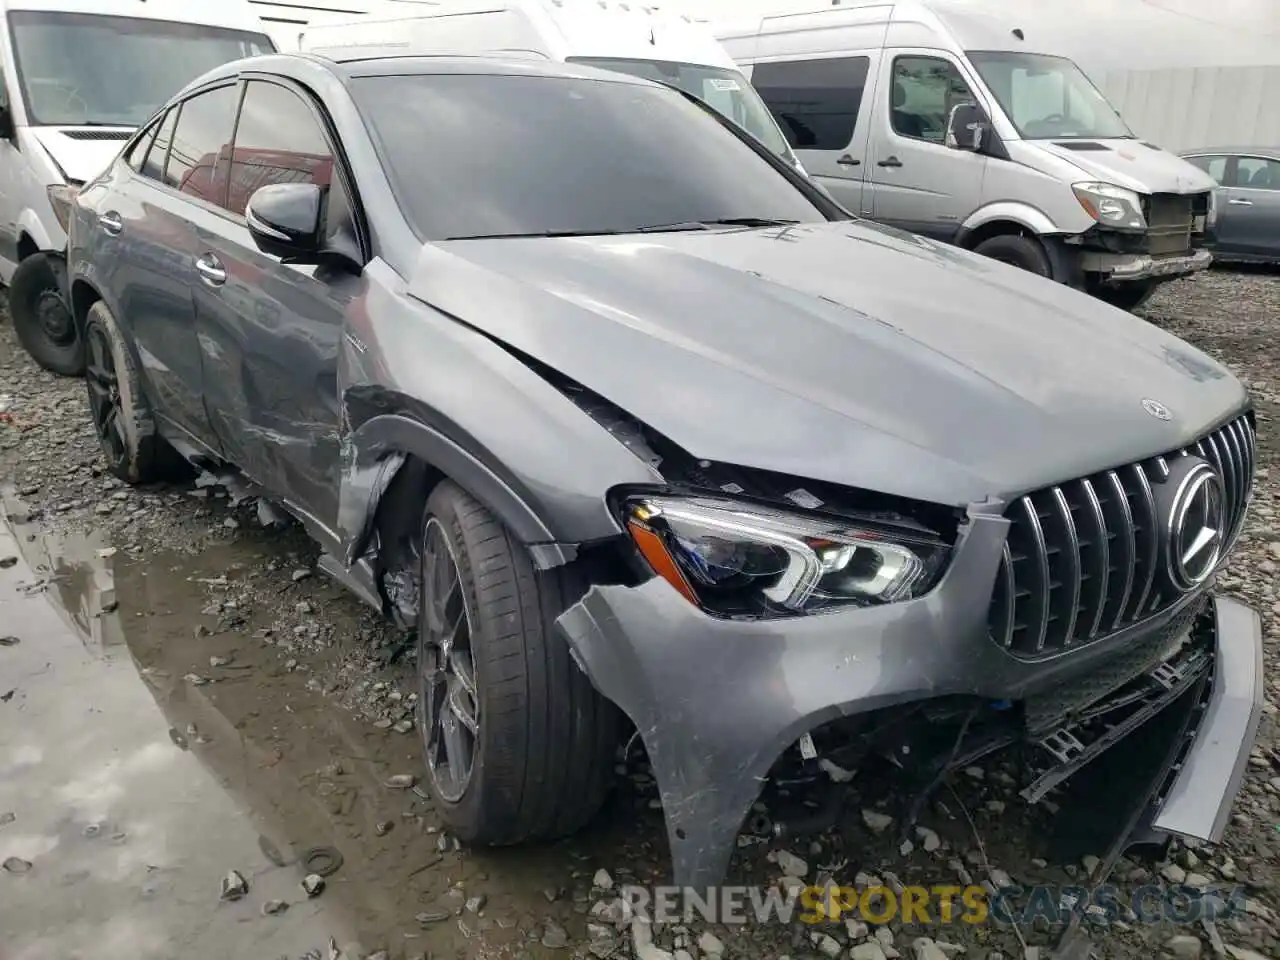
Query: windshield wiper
[{"x": 541, "y": 233}]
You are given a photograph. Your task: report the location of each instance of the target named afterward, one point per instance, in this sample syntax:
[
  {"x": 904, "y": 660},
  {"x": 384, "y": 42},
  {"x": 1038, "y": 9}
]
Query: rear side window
[
  {"x": 137, "y": 153},
  {"x": 202, "y": 144},
  {"x": 1215, "y": 167},
  {"x": 278, "y": 140},
  {"x": 1258, "y": 173},
  {"x": 153, "y": 165},
  {"x": 815, "y": 101}
]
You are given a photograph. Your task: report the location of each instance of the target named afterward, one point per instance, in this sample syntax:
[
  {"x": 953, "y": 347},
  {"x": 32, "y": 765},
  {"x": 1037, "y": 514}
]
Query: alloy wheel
[
  {"x": 449, "y": 708},
  {"x": 104, "y": 395}
]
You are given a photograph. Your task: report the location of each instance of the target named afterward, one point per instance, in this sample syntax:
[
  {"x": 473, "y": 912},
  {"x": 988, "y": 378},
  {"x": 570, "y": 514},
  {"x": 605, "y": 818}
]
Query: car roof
[
  {"x": 1233, "y": 151},
  {"x": 366, "y": 62}
]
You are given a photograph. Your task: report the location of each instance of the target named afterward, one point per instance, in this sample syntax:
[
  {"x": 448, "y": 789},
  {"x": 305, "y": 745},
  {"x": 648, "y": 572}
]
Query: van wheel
[
  {"x": 1128, "y": 296},
  {"x": 42, "y": 318},
  {"x": 519, "y": 745},
  {"x": 126, "y": 427},
  {"x": 1025, "y": 252}
]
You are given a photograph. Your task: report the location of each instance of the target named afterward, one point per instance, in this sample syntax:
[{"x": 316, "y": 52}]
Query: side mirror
[
  {"x": 286, "y": 219},
  {"x": 967, "y": 127}
]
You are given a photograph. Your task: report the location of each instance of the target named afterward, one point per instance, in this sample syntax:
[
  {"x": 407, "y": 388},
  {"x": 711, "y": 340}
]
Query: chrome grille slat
[
  {"x": 1073, "y": 581},
  {"x": 1041, "y": 559},
  {"x": 1130, "y": 545},
  {"x": 1150, "y": 549},
  {"x": 1102, "y": 560},
  {"x": 1079, "y": 562}
]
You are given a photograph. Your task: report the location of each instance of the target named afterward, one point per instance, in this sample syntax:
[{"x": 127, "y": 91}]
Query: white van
[
  {"x": 953, "y": 119},
  {"x": 79, "y": 76},
  {"x": 611, "y": 34}
]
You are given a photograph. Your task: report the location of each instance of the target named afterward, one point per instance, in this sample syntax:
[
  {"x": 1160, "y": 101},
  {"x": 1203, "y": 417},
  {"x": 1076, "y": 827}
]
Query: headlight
[
  {"x": 733, "y": 558},
  {"x": 1110, "y": 205}
]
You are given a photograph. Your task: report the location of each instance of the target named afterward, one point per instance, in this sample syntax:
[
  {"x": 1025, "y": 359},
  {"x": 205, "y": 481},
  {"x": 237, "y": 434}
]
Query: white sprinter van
[
  {"x": 958, "y": 120},
  {"x": 621, "y": 35},
  {"x": 79, "y": 76}
]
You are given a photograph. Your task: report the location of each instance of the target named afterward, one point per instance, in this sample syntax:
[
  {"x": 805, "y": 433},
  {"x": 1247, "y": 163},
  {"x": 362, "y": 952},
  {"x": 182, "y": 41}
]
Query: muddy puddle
[{"x": 155, "y": 736}]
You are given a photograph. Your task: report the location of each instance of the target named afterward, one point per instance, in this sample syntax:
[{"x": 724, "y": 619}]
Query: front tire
[
  {"x": 1128, "y": 296},
  {"x": 122, "y": 417},
  {"x": 1019, "y": 251},
  {"x": 42, "y": 318},
  {"x": 519, "y": 745}
]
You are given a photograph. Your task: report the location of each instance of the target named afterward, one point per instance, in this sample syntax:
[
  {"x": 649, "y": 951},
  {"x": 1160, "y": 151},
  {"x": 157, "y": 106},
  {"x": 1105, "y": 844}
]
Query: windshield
[
  {"x": 1047, "y": 98},
  {"x": 723, "y": 88},
  {"x": 485, "y": 155},
  {"x": 77, "y": 69}
]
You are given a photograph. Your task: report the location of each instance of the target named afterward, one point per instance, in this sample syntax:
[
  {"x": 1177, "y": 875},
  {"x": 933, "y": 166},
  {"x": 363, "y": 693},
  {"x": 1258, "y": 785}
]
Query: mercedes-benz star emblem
[
  {"x": 1197, "y": 524},
  {"x": 1156, "y": 409}
]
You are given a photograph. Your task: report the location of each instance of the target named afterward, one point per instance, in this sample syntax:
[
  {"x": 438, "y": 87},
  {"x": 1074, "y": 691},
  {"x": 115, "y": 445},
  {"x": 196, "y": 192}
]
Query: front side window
[
  {"x": 1047, "y": 97},
  {"x": 76, "y": 69},
  {"x": 1258, "y": 173},
  {"x": 815, "y": 101},
  {"x": 923, "y": 91},
  {"x": 1215, "y": 167},
  {"x": 482, "y": 155},
  {"x": 158, "y": 152},
  {"x": 202, "y": 144},
  {"x": 724, "y": 89},
  {"x": 278, "y": 140}
]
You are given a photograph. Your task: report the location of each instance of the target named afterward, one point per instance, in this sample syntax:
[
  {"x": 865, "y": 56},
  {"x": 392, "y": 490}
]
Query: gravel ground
[{"x": 217, "y": 586}]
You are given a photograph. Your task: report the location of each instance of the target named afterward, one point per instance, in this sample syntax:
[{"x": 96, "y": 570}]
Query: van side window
[
  {"x": 278, "y": 140},
  {"x": 923, "y": 91},
  {"x": 153, "y": 165},
  {"x": 1257, "y": 173},
  {"x": 815, "y": 101},
  {"x": 1215, "y": 167},
  {"x": 201, "y": 142}
]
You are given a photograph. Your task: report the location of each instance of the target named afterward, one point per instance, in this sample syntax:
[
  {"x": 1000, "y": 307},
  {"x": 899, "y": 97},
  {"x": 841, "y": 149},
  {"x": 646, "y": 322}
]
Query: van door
[
  {"x": 818, "y": 102},
  {"x": 917, "y": 182}
]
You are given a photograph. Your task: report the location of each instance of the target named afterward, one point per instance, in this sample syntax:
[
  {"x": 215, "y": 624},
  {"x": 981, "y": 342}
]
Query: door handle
[
  {"x": 1240, "y": 203},
  {"x": 111, "y": 223},
  {"x": 889, "y": 162},
  {"x": 211, "y": 270},
  {"x": 848, "y": 161}
]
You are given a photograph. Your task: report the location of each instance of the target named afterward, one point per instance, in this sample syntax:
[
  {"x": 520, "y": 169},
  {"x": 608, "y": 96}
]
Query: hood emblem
[{"x": 1156, "y": 409}]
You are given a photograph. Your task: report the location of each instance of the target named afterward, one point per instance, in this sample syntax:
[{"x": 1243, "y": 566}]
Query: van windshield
[
  {"x": 1047, "y": 97},
  {"x": 78, "y": 69},
  {"x": 723, "y": 88}
]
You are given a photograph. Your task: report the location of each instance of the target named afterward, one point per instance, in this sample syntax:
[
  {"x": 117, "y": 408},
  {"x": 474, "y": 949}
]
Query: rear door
[
  {"x": 146, "y": 235},
  {"x": 1249, "y": 220},
  {"x": 818, "y": 103},
  {"x": 917, "y": 182},
  {"x": 270, "y": 331}
]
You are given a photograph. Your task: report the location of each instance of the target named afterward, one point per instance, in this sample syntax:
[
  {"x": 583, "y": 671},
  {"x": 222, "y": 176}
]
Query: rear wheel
[
  {"x": 126, "y": 427},
  {"x": 1019, "y": 251},
  {"x": 42, "y": 317},
  {"x": 519, "y": 745}
]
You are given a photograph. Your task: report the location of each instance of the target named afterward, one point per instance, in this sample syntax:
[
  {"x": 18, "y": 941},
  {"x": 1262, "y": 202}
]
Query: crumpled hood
[
  {"x": 844, "y": 352},
  {"x": 1131, "y": 164},
  {"x": 80, "y": 160}
]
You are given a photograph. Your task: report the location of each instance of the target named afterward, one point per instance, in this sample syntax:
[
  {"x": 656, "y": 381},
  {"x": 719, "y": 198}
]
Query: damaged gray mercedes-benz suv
[{"x": 632, "y": 424}]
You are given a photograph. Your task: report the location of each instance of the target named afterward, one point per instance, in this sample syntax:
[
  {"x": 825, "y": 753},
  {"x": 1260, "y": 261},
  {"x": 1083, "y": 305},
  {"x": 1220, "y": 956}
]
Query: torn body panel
[{"x": 717, "y": 701}]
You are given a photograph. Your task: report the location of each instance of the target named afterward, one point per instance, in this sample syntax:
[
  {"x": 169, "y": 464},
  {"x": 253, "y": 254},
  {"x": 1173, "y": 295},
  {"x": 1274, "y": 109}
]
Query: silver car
[{"x": 1247, "y": 201}]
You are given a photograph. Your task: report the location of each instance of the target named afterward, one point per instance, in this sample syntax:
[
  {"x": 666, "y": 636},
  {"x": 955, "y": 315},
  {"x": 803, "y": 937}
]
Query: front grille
[
  {"x": 1080, "y": 559},
  {"x": 1170, "y": 223}
]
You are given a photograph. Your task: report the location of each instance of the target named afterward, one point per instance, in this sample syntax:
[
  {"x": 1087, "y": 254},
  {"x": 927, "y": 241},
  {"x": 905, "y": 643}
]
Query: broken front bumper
[
  {"x": 716, "y": 702},
  {"x": 1122, "y": 267}
]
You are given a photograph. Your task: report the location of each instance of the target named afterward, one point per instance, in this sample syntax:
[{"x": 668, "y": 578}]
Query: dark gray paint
[{"x": 843, "y": 352}]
